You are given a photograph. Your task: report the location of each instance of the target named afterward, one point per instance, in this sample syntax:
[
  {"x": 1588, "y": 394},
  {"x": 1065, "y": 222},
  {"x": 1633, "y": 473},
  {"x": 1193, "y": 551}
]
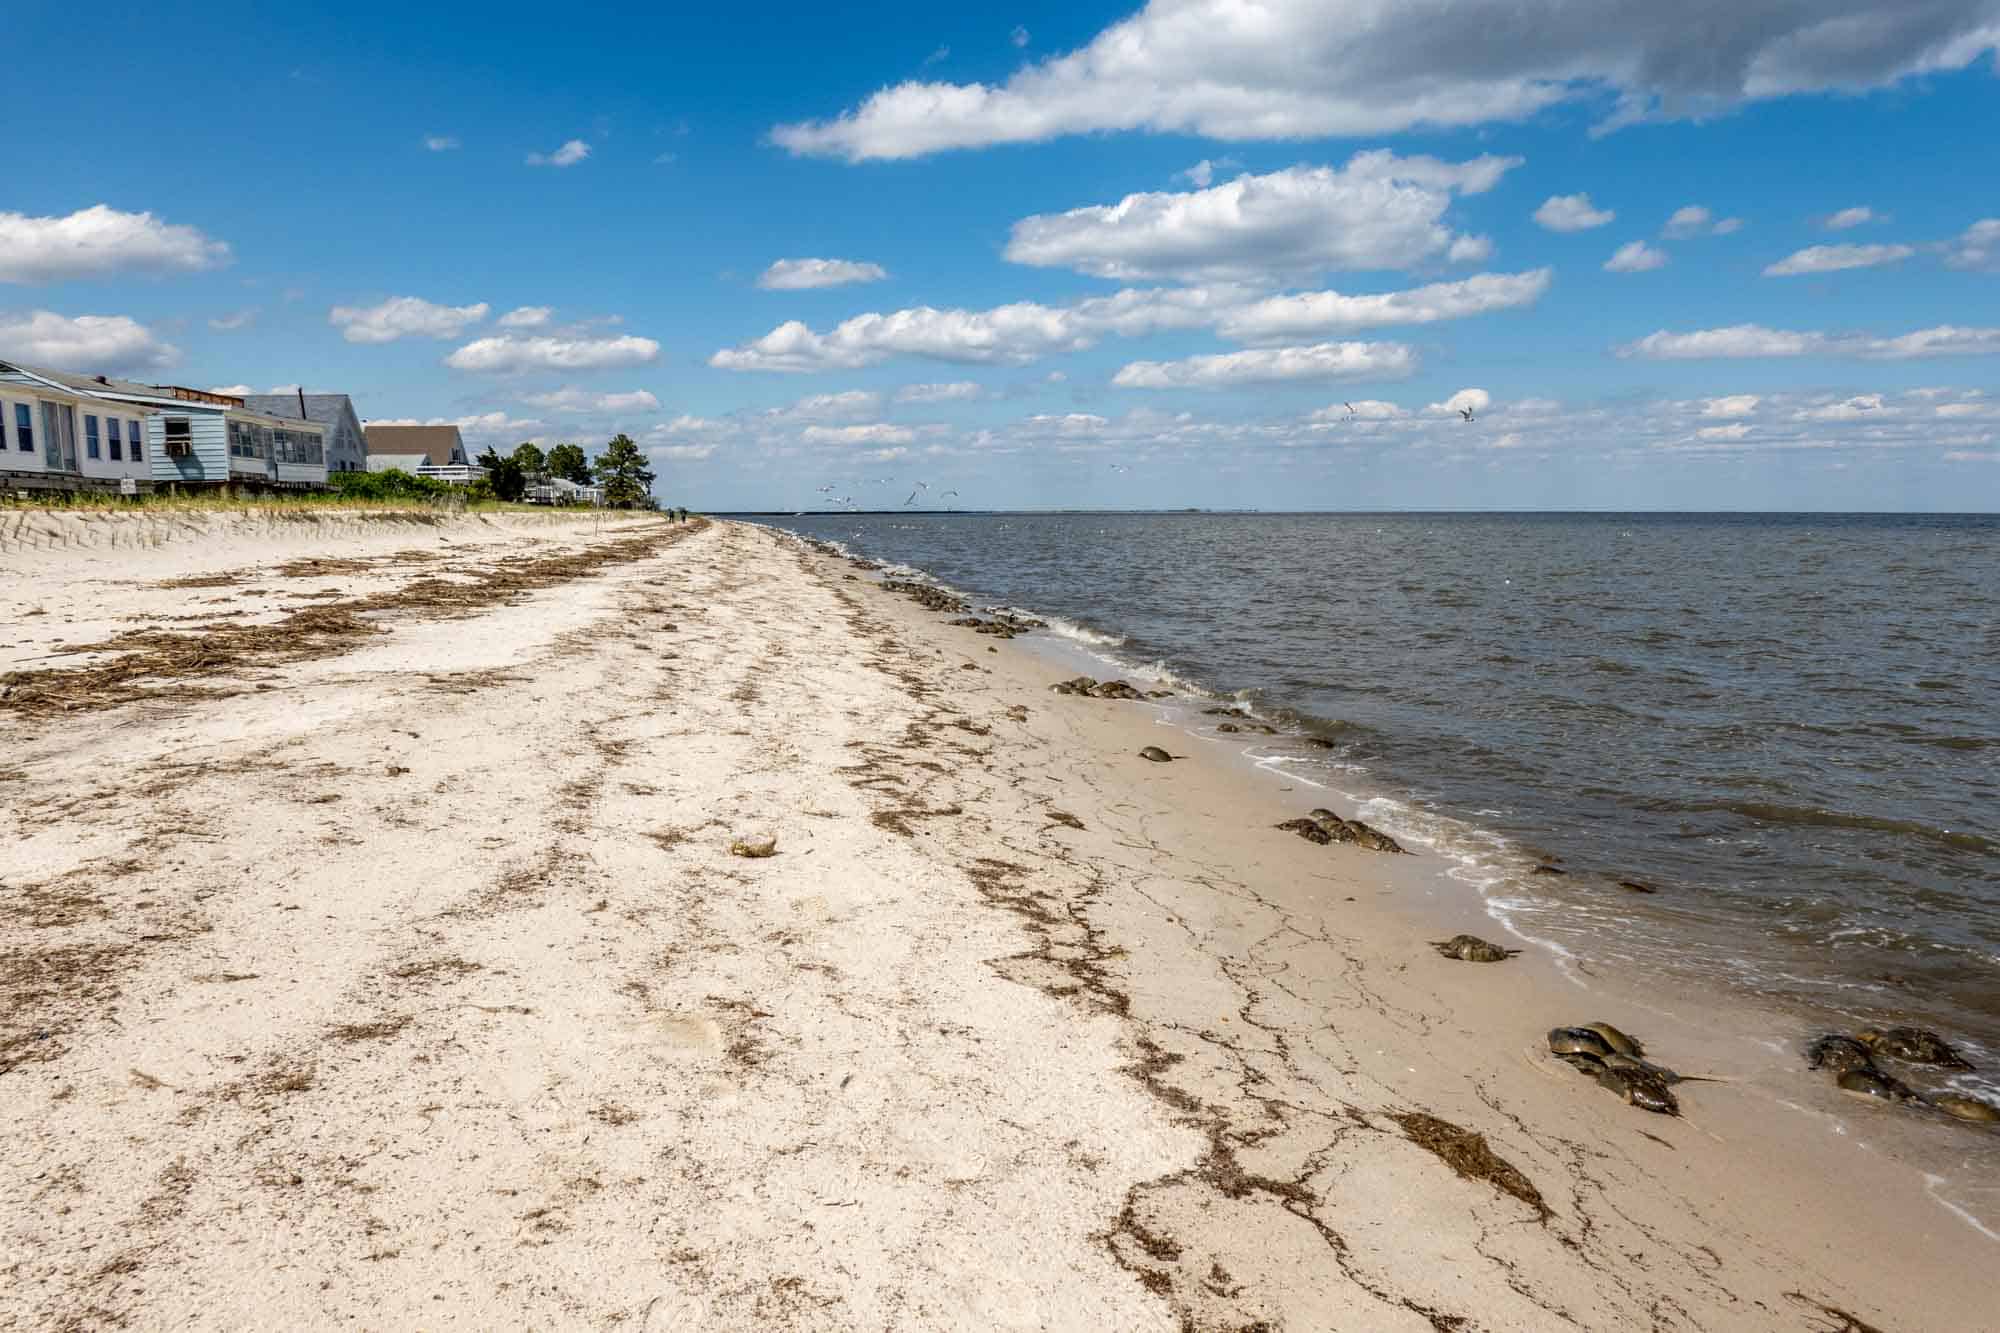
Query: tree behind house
[
  {"x": 622, "y": 472},
  {"x": 567, "y": 461},
  {"x": 503, "y": 474}
]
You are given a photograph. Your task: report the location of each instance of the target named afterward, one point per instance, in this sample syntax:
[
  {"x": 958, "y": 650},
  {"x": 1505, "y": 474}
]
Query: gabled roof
[
  {"x": 435, "y": 442},
  {"x": 325, "y": 408}
]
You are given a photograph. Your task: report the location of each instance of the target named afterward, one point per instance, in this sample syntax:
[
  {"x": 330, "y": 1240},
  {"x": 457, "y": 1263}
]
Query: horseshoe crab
[
  {"x": 1156, "y": 754},
  {"x": 1615, "y": 1039},
  {"x": 1578, "y": 1041},
  {"x": 1472, "y": 949},
  {"x": 1913, "y": 1045},
  {"x": 1839, "y": 1054},
  {"x": 1874, "y": 1083},
  {"x": 1966, "y": 1108}
]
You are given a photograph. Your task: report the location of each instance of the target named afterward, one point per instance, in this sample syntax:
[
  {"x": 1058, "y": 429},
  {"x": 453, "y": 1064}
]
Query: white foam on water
[
  {"x": 1069, "y": 629},
  {"x": 1931, "y": 1183}
]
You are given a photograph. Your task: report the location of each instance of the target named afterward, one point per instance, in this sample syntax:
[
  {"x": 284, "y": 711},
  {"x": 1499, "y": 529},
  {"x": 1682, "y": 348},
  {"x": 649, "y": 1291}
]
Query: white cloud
[
  {"x": 1019, "y": 37},
  {"x": 1635, "y": 257},
  {"x": 1202, "y": 174},
  {"x": 1322, "y": 361},
  {"x": 1006, "y": 335},
  {"x": 573, "y": 399},
  {"x": 1470, "y": 249},
  {"x": 509, "y": 352},
  {"x": 232, "y": 322},
  {"x": 1978, "y": 248},
  {"x": 1379, "y": 211},
  {"x": 822, "y": 406},
  {"x": 568, "y": 155},
  {"x": 1571, "y": 212},
  {"x": 1476, "y": 399},
  {"x": 1360, "y": 409},
  {"x": 440, "y": 143},
  {"x": 1852, "y": 217},
  {"x": 795, "y": 274},
  {"x": 937, "y": 54},
  {"x": 481, "y": 428},
  {"x": 680, "y": 453},
  {"x": 871, "y": 433},
  {"x": 233, "y": 390},
  {"x": 526, "y": 317},
  {"x": 404, "y": 317},
  {"x": 1735, "y": 431},
  {"x": 1230, "y": 70},
  {"x": 1740, "y": 341},
  {"x": 1689, "y": 221},
  {"x": 1695, "y": 220},
  {"x": 85, "y": 344},
  {"x": 1849, "y": 409},
  {"x": 1308, "y": 314},
  {"x": 1833, "y": 258},
  {"x": 99, "y": 241},
  {"x": 1731, "y": 406},
  {"x": 958, "y": 391}
]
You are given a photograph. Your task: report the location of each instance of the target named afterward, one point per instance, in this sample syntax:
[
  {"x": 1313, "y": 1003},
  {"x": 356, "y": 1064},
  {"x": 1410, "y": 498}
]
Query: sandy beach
[{"x": 372, "y": 953}]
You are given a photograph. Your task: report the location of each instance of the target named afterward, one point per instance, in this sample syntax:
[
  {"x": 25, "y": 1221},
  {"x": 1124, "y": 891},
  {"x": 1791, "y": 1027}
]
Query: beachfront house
[
  {"x": 200, "y": 439},
  {"x": 563, "y": 491},
  {"x": 346, "y": 450},
  {"x": 424, "y": 451},
  {"x": 58, "y": 433}
]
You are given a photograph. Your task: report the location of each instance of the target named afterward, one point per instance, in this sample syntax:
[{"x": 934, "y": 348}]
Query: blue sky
[{"x": 1070, "y": 255}]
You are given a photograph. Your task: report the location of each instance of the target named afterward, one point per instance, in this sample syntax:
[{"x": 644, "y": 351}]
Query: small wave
[
  {"x": 1813, "y": 816},
  {"x": 1070, "y": 629}
]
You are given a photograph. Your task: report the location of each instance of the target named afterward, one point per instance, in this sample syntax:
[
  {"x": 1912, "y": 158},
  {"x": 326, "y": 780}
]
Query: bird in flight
[
  {"x": 1465, "y": 412},
  {"x": 912, "y": 500},
  {"x": 825, "y": 490},
  {"x": 1349, "y": 406}
]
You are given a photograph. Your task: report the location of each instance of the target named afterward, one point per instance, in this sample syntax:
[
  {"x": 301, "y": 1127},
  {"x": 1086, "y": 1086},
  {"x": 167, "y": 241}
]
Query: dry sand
[{"x": 402, "y": 977}]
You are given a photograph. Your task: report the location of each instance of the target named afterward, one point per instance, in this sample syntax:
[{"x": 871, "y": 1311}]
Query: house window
[
  {"x": 117, "y": 441},
  {"x": 90, "y": 435},
  {"x": 138, "y": 450},
  {"x": 24, "y": 428},
  {"x": 179, "y": 437}
]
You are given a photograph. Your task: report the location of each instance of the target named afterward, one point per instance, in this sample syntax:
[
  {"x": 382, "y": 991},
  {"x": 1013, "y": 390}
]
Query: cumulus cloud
[
  {"x": 572, "y": 399},
  {"x": 233, "y": 390},
  {"x": 233, "y": 321},
  {"x": 795, "y": 274},
  {"x": 86, "y": 344},
  {"x": 1274, "y": 365},
  {"x": 440, "y": 143},
  {"x": 1020, "y": 333},
  {"x": 479, "y": 428},
  {"x": 681, "y": 453},
  {"x": 1318, "y": 68},
  {"x": 871, "y": 433},
  {"x": 1635, "y": 257},
  {"x": 1202, "y": 174},
  {"x": 1696, "y": 220},
  {"x": 1731, "y": 406},
  {"x": 1019, "y": 37},
  {"x": 1571, "y": 212},
  {"x": 822, "y": 406},
  {"x": 1833, "y": 258},
  {"x": 1307, "y": 314},
  {"x": 99, "y": 241},
  {"x": 1978, "y": 248},
  {"x": 404, "y": 317},
  {"x": 958, "y": 391},
  {"x": 568, "y": 155},
  {"x": 1359, "y": 409},
  {"x": 1379, "y": 211},
  {"x": 1744, "y": 341},
  {"x": 507, "y": 353},
  {"x": 526, "y": 317},
  {"x": 1735, "y": 431},
  {"x": 1005, "y": 335},
  {"x": 1852, "y": 217},
  {"x": 1846, "y": 409},
  {"x": 1476, "y": 399}
]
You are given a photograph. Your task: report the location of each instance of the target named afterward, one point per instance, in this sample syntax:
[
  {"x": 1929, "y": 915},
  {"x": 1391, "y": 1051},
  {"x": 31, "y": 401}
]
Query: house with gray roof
[{"x": 346, "y": 447}]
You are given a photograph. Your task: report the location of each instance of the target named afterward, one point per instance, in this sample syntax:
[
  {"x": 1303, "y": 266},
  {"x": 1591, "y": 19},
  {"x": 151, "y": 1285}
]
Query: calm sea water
[{"x": 1789, "y": 725}]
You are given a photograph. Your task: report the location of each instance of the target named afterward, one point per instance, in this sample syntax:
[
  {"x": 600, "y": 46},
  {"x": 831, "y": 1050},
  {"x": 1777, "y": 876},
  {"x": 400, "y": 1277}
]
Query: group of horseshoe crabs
[
  {"x": 1618, "y": 1063},
  {"x": 1851, "y": 1061}
]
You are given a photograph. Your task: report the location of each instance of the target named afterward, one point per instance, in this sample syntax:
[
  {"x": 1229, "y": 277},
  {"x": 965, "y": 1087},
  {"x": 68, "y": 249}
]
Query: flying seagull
[
  {"x": 1465, "y": 412},
  {"x": 1349, "y": 406},
  {"x": 912, "y": 500}
]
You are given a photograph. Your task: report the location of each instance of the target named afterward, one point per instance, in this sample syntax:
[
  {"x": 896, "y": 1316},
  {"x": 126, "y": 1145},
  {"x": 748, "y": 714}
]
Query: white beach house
[
  {"x": 196, "y": 438},
  {"x": 58, "y": 434}
]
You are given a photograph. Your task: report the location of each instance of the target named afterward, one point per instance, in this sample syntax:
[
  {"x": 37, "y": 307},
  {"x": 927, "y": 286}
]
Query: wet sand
[{"x": 405, "y": 978}]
